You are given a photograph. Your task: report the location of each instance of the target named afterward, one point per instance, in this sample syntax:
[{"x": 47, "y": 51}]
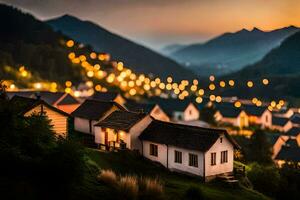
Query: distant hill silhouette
[
  {"x": 169, "y": 49},
  {"x": 281, "y": 66},
  {"x": 27, "y": 41},
  {"x": 134, "y": 56},
  {"x": 231, "y": 51}
]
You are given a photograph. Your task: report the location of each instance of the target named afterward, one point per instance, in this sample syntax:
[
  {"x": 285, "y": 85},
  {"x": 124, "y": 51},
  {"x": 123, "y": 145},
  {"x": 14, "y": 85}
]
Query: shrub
[
  {"x": 151, "y": 188},
  {"x": 194, "y": 193},
  {"x": 108, "y": 177},
  {"x": 128, "y": 187}
]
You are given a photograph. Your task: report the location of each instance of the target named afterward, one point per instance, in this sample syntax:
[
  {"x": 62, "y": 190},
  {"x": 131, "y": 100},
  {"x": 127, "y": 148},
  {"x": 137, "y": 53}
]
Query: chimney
[{"x": 38, "y": 95}]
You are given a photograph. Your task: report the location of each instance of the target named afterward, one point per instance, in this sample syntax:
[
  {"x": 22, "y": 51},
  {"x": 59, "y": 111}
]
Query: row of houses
[
  {"x": 188, "y": 149},
  {"x": 248, "y": 115}
]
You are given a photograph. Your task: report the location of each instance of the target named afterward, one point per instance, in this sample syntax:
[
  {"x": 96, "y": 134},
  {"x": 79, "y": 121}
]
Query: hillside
[
  {"x": 231, "y": 51},
  {"x": 135, "y": 56},
  {"x": 27, "y": 41},
  {"x": 169, "y": 49},
  {"x": 281, "y": 66}
]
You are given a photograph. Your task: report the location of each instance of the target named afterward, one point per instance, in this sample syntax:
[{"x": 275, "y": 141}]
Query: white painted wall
[
  {"x": 219, "y": 168},
  {"x": 161, "y": 152},
  {"x": 191, "y": 113},
  {"x": 266, "y": 119},
  {"x": 135, "y": 131},
  {"x": 184, "y": 166},
  {"x": 82, "y": 125},
  {"x": 159, "y": 114}
]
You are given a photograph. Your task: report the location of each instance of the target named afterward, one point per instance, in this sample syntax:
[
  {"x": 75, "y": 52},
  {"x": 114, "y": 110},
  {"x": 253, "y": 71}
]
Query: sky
[{"x": 156, "y": 23}]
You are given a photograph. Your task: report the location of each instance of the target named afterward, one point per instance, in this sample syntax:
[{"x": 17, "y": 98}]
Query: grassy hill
[{"x": 175, "y": 184}]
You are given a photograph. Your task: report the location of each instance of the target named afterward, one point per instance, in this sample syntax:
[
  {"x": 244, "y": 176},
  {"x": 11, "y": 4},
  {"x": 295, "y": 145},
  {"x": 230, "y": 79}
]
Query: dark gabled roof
[
  {"x": 183, "y": 136},
  {"x": 104, "y": 96},
  {"x": 272, "y": 137},
  {"x": 21, "y": 105},
  {"x": 279, "y": 121},
  {"x": 48, "y": 97},
  {"x": 140, "y": 107},
  {"x": 289, "y": 154},
  {"x": 93, "y": 109},
  {"x": 294, "y": 131},
  {"x": 228, "y": 110},
  {"x": 254, "y": 110},
  {"x": 171, "y": 105},
  {"x": 295, "y": 118},
  {"x": 121, "y": 120}
]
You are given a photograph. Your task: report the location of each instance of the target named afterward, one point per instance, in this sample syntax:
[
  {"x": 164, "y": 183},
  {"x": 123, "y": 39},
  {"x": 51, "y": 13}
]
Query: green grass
[{"x": 175, "y": 184}]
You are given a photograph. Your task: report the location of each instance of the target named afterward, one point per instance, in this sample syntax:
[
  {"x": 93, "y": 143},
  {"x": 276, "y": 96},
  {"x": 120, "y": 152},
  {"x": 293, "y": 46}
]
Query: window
[
  {"x": 153, "y": 150},
  {"x": 193, "y": 160},
  {"x": 213, "y": 158},
  {"x": 224, "y": 155},
  {"x": 178, "y": 157},
  {"x": 221, "y": 140},
  {"x": 191, "y": 112},
  {"x": 267, "y": 119}
]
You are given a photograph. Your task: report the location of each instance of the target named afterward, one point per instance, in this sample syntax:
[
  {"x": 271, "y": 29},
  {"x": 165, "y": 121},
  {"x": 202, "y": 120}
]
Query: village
[{"x": 167, "y": 131}]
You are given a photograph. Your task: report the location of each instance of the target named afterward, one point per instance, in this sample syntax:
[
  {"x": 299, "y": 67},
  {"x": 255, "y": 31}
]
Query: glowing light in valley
[
  {"x": 231, "y": 83},
  {"x": 265, "y": 81},
  {"x": 250, "y": 84},
  {"x": 237, "y": 104},
  {"x": 70, "y": 43},
  {"x": 211, "y": 78}
]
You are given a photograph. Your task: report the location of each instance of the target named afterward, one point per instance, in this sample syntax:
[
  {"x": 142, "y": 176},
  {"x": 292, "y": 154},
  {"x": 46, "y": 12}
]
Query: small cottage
[
  {"x": 121, "y": 130},
  {"x": 231, "y": 115},
  {"x": 92, "y": 111},
  {"x": 154, "y": 110},
  {"x": 28, "y": 106},
  {"x": 258, "y": 115},
  {"x": 289, "y": 153},
  {"x": 192, "y": 150}
]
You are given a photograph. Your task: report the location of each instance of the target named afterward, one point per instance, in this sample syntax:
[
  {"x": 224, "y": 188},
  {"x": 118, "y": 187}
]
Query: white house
[
  {"x": 192, "y": 150},
  {"x": 179, "y": 110},
  {"x": 258, "y": 115},
  {"x": 121, "y": 127},
  {"x": 92, "y": 111},
  {"x": 231, "y": 115},
  {"x": 154, "y": 110}
]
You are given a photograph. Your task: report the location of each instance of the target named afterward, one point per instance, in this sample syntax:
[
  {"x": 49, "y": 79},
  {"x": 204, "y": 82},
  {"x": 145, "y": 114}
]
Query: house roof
[
  {"x": 254, "y": 110},
  {"x": 94, "y": 109},
  {"x": 295, "y": 118},
  {"x": 48, "y": 97},
  {"x": 139, "y": 107},
  {"x": 104, "y": 96},
  {"x": 272, "y": 137},
  {"x": 294, "y": 131},
  {"x": 21, "y": 105},
  {"x": 171, "y": 105},
  {"x": 183, "y": 136},
  {"x": 288, "y": 153},
  {"x": 228, "y": 110},
  {"x": 121, "y": 120},
  {"x": 279, "y": 121}
]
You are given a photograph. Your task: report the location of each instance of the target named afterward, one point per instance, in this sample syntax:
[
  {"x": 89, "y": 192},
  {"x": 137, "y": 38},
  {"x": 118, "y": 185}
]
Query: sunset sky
[{"x": 156, "y": 23}]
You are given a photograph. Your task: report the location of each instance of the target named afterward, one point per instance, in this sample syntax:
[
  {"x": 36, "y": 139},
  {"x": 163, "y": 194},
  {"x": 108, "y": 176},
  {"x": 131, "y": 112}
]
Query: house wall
[
  {"x": 135, "y": 131},
  {"x": 161, "y": 155},
  {"x": 217, "y": 148},
  {"x": 242, "y": 120},
  {"x": 83, "y": 125},
  {"x": 184, "y": 166},
  {"x": 120, "y": 100},
  {"x": 278, "y": 144},
  {"x": 68, "y": 108},
  {"x": 266, "y": 119},
  {"x": 159, "y": 114},
  {"x": 284, "y": 128},
  {"x": 59, "y": 121},
  {"x": 191, "y": 113}
]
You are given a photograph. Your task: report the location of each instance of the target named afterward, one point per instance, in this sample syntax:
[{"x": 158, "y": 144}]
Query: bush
[
  {"x": 108, "y": 177},
  {"x": 194, "y": 193},
  {"x": 128, "y": 187},
  {"x": 151, "y": 188},
  {"x": 264, "y": 178}
]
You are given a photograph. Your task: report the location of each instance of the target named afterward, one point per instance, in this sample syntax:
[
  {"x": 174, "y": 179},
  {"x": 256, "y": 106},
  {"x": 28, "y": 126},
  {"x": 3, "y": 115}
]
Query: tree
[
  {"x": 208, "y": 114},
  {"x": 260, "y": 149}
]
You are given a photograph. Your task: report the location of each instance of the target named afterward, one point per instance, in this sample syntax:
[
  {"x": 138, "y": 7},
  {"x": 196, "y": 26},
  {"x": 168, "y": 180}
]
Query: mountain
[
  {"x": 231, "y": 51},
  {"x": 27, "y": 41},
  {"x": 169, "y": 49},
  {"x": 134, "y": 56},
  {"x": 281, "y": 66}
]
